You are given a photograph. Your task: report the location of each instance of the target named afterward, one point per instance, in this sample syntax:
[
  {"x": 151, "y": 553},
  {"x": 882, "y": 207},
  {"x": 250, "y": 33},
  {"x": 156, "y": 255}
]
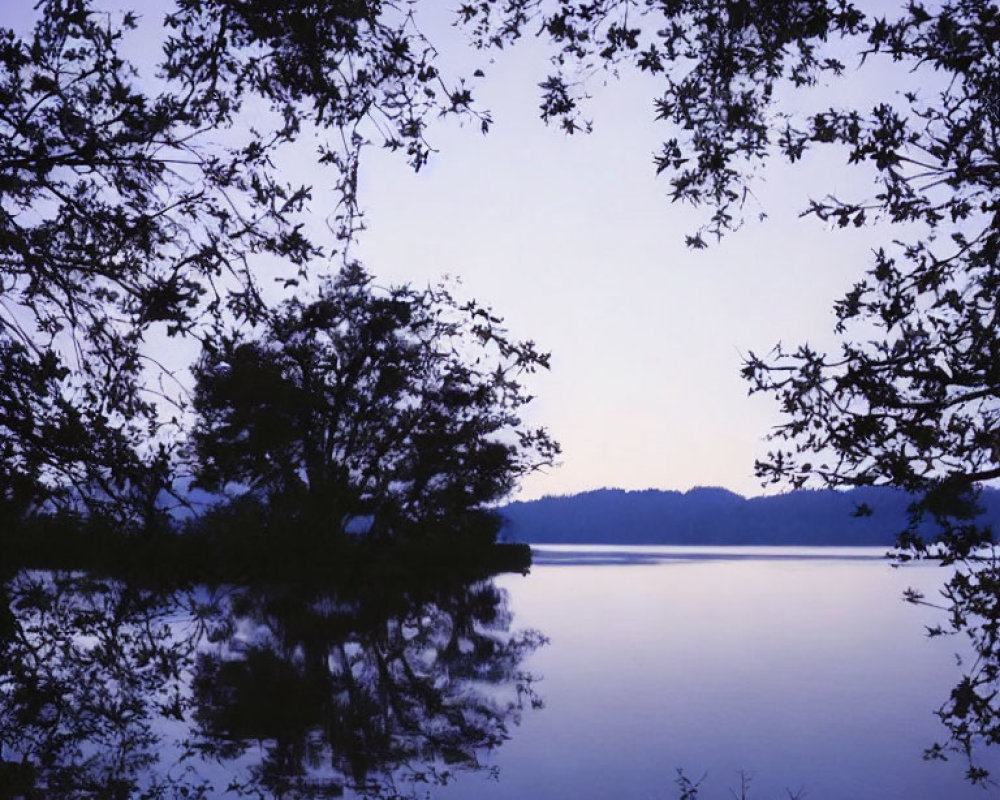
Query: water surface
[
  {"x": 801, "y": 667},
  {"x": 598, "y": 675}
]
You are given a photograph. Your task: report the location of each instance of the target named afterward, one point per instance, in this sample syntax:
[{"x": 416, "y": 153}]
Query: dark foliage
[
  {"x": 724, "y": 66},
  {"x": 245, "y": 542},
  {"x": 394, "y": 410},
  {"x": 125, "y": 209},
  {"x": 139, "y": 198}
]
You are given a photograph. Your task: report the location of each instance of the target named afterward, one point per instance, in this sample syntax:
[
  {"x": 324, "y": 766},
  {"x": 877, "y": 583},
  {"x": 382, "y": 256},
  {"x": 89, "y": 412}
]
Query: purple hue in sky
[{"x": 575, "y": 242}]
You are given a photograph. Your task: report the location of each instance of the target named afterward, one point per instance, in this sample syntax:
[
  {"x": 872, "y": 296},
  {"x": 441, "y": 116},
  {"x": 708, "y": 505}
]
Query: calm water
[{"x": 800, "y": 668}]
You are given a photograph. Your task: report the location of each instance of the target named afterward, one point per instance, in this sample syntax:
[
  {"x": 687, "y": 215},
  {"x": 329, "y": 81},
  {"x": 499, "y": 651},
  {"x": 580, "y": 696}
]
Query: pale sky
[{"x": 574, "y": 241}]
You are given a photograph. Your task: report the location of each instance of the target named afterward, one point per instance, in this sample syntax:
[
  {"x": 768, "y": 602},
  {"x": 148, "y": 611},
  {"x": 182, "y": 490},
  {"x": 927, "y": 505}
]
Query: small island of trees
[
  {"x": 386, "y": 415},
  {"x": 139, "y": 203},
  {"x": 364, "y": 419}
]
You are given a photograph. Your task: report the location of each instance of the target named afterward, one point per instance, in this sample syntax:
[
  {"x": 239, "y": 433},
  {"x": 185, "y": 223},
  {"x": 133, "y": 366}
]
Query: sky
[{"x": 574, "y": 241}]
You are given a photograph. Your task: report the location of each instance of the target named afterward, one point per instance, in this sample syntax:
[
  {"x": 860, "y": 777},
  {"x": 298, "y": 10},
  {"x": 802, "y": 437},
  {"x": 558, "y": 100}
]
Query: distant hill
[{"x": 717, "y": 516}]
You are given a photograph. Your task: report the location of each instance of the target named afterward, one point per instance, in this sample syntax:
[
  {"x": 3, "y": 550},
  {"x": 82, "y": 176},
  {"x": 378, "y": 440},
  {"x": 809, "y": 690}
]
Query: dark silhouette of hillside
[{"x": 707, "y": 515}]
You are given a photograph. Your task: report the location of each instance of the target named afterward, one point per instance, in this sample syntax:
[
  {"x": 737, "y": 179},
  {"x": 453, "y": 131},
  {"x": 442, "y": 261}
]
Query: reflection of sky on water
[
  {"x": 805, "y": 672},
  {"x": 568, "y": 554},
  {"x": 799, "y": 667}
]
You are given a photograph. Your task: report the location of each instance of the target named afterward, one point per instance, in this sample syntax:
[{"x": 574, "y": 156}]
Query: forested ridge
[{"x": 703, "y": 515}]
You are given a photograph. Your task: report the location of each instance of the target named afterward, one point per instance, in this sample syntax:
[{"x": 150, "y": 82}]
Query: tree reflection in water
[{"x": 108, "y": 690}]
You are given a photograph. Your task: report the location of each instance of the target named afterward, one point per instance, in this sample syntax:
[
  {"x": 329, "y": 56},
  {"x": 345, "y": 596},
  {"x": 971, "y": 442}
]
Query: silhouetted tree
[
  {"x": 124, "y": 209},
  {"x": 400, "y": 405},
  {"x": 139, "y": 194}
]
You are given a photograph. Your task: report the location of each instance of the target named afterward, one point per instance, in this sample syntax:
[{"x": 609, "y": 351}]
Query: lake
[
  {"x": 801, "y": 667},
  {"x": 598, "y": 675}
]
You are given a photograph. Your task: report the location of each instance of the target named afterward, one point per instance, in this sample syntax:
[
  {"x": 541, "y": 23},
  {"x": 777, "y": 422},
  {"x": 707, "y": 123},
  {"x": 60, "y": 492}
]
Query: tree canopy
[
  {"x": 141, "y": 199},
  {"x": 136, "y": 198},
  {"x": 397, "y": 405}
]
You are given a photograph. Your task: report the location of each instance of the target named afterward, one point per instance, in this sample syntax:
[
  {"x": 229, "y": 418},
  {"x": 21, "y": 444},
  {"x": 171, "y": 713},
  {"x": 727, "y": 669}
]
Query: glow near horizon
[{"x": 573, "y": 240}]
